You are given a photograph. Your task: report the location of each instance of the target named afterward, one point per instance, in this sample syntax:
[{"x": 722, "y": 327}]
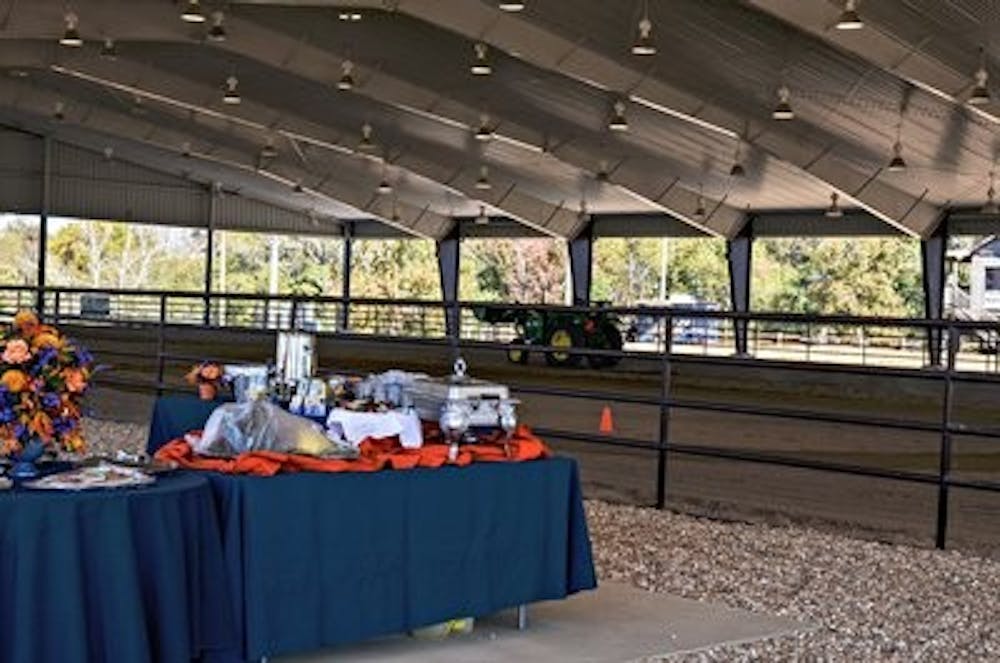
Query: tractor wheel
[
  {"x": 611, "y": 339},
  {"x": 517, "y": 355},
  {"x": 563, "y": 336}
]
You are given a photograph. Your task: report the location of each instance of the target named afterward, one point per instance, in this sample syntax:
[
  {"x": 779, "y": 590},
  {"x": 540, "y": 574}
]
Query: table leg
[{"x": 522, "y": 617}]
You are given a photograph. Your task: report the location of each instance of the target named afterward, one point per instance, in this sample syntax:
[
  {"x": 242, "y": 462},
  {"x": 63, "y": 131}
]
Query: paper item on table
[{"x": 355, "y": 427}]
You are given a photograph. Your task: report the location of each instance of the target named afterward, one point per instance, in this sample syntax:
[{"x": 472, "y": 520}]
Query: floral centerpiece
[
  {"x": 209, "y": 377},
  {"x": 43, "y": 377}
]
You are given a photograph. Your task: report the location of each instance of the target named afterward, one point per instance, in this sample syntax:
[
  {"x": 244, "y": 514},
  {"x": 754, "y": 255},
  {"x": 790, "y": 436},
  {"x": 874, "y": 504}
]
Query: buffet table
[
  {"x": 132, "y": 574},
  {"x": 316, "y": 559}
]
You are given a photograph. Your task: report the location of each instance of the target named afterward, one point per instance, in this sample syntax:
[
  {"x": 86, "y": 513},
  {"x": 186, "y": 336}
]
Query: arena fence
[{"x": 945, "y": 352}]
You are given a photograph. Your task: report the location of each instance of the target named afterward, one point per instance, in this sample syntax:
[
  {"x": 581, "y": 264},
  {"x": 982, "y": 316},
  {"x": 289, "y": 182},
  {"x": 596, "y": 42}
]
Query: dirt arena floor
[{"x": 872, "y": 508}]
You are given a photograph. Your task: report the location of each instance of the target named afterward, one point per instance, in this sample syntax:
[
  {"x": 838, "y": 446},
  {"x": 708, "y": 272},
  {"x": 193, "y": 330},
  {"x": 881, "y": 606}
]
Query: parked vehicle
[
  {"x": 596, "y": 330},
  {"x": 646, "y": 328}
]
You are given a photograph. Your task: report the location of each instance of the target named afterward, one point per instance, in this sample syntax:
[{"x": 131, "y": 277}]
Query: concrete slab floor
[{"x": 615, "y": 623}]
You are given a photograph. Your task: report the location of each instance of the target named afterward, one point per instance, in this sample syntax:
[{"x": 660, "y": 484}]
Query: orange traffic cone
[{"x": 607, "y": 426}]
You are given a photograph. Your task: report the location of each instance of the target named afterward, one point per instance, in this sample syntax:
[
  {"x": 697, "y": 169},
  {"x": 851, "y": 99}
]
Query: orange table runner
[{"x": 375, "y": 455}]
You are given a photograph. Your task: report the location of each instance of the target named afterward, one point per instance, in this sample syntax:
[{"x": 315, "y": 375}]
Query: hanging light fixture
[
  {"x": 783, "y": 111},
  {"x": 511, "y": 6},
  {"x": 618, "y": 121},
  {"x": 897, "y": 164},
  {"x": 484, "y": 133},
  {"x": 366, "y": 144},
  {"x": 481, "y": 65},
  {"x": 231, "y": 93},
  {"x": 186, "y": 149},
  {"x": 71, "y": 36},
  {"x": 737, "y": 170},
  {"x": 108, "y": 49},
  {"x": 269, "y": 151},
  {"x": 384, "y": 187},
  {"x": 834, "y": 211},
  {"x": 849, "y": 18},
  {"x": 602, "y": 171},
  {"x": 699, "y": 210},
  {"x": 991, "y": 206},
  {"x": 482, "y": 219},
  {"x": 346, "y": 81},
  {"x": 218, "y": 31},
  {"x": 297, "y": 188},
  {"x": 349, "y": 16},
  {"x": 59, "y": 111},
  {"x": 109, "y": 153},
  {"x": 483, "y": 183},
  {"x": 980, "y": 90},
  {"x": 644, "y": 39},
  {"x": 192, "y": 12}
]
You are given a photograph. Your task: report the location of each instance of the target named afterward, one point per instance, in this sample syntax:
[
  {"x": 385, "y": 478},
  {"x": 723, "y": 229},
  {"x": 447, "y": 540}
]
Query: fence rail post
[
  {"x": 663, "y": 441},
  {"x": 161, "y": 345},
  {"x": 944, "y": 463}
]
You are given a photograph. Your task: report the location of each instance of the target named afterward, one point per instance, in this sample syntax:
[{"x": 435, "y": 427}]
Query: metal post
[
  {"x": 664, "y": 432},
  {"x": 739, "y": 251},
  {"x": 448, "y": 250},
  {"x": 213, "y": 193},
  {"x": 932, "y": 254},
  {"x": 944, "y": 463},
  {"x": 522, "y": 617},
  {"x": 581, "y": 258},
  {"x": 43, "y": 223},
  {"x": 345, "y": 291},
  {"x": 161, "y": 345}
]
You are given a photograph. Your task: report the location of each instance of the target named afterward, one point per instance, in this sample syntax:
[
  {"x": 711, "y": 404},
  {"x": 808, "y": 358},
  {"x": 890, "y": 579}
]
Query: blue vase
[{"x": 24, "y": 462}]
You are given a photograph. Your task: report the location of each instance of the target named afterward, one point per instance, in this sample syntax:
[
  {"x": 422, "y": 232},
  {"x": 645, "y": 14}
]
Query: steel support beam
[
  {"x": 932, "y": 254},
  {"x": 213, "y": 194},
  {"x": 448, "y": 250},
  {"x": 581, "y": 264},
  {"x": 739, "y": 250},
  {"x": 43, "y": 224},
  {"x": 345, "y": 280}
]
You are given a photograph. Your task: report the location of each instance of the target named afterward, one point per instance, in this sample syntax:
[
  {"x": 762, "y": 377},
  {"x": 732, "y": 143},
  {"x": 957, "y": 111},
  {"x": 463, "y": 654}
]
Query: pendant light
[
  {"x": 366, "y": 144},
  {"x": 483, "y": 183},
  {"x": 980, "y": 91},
  {"x": 108, "y": 49},
  {"x": 484, "y": 133},
  {"x": 346, "y": 81},
  {"x": 231, "y": 93},
  {"x": 350, "y": 16},
  {"x": 109, "y": 153},
  {"x": 481, "y": 65},
  {"x": 384, "y": 186},
  {"x": 269, "y": 151},
  {"x": 511, "y": 6},
  {"x": 186, "y": 150},
  {"x": 59, "y": 111},
  {"x": 783, "y": 111},
  {"x": 644, "y": 39},
  {"x": 482, "y": 219},
  {"x": 849, "y": 18},
  {"x": 834, "y": 211},
  {"x": 699, "y": 211},
  {"x": 602, "y": 171},
  {"x": 297, "y": 188},
  {"x": 618, "y": 122},
  {"x": 217, "y": 32},
  {"x": 192, "y": 12},
  {"x": 737, "y": 171},
  {"x": 991, "y": 206},
  {"x": 71, "y": 36},
  {"x": 897, "y": 164}
]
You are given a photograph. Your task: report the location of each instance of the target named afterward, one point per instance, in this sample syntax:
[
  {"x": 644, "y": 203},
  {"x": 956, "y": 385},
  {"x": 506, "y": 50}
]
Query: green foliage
[
  {"x": 395, "y": 268},
  {"x": 519, "y": 270}
]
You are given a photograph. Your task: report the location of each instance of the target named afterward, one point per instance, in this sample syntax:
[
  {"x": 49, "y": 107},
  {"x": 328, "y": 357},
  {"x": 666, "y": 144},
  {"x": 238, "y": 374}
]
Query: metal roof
[{"x": 700, "y": 103}]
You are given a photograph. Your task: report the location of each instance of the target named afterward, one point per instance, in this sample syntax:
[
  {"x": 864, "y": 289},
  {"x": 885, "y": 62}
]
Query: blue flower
[
  {"x": 63, "y": 425},
  {"x": 6, "y": 414},
  {"x": 50, "y": 401}
]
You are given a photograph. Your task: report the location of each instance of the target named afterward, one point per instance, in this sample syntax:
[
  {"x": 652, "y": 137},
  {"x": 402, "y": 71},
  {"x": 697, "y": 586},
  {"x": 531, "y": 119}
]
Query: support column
[
  {"x": 739, "y": 250},
  {"x": 932, "y": 259},
  {"x": 213, "y": 193},
  {"x": 345, "y": 282},
  {"x": 448, "y": 265},
  {"x": 43, "y": 226},
  {"x": 581, "y": 264}
]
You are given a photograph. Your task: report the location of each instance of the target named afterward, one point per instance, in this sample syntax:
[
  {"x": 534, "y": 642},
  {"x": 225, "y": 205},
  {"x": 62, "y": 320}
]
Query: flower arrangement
[
  {"x": 43, "y": 377},
  {"x": 209, "y": 377}
]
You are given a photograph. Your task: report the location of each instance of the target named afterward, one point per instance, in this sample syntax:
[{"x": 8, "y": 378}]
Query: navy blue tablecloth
[
  {"x": 120, "y": 575},
  {"x": 322, "y": 559},
  {"x": 175, "y": 415}
]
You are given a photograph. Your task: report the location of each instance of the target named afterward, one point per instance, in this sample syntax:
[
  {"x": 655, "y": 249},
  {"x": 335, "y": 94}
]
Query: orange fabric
[{"x": 375, "y": 455}]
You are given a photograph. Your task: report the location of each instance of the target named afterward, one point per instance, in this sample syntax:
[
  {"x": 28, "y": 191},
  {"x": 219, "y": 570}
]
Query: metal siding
[
  {"x": 234, "y": 212},
  {"x": 20, "y": 172}
]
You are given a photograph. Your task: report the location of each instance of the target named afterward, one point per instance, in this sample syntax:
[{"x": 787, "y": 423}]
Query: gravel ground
[{"x": 869, "y": 601}]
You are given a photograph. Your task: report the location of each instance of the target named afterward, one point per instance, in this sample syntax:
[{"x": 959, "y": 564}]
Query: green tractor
[{"x": 595, "y": 330}]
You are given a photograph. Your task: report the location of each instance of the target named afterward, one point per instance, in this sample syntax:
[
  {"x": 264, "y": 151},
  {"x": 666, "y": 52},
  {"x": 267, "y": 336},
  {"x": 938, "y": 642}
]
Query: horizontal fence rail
[{"x": 653, "y": 339}]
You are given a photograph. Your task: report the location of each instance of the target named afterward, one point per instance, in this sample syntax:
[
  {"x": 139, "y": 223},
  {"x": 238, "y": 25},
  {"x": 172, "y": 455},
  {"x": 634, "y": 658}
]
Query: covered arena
[{"x": 756, "y": 429}]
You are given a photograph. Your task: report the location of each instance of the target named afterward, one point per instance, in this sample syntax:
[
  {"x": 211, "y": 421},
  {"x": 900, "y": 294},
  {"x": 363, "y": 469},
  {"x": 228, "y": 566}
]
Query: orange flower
[
  {"x": 26, "y": 322},
  {"x": 16, "y": 352},
  {"x": 15, "y": 381},
  {"x": 41, "y": 425},
  {"x": 9, "y": 445},
  {"x": 47, "y": 340},
  {"x": 74, "y": 442},
  {"x": 211, "y": 372},
  {"x": 76, "y": 380}
]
